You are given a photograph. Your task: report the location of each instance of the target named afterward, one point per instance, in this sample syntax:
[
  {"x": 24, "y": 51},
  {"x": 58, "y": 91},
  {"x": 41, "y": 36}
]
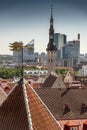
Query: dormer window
[
  {"x": 83, "y": 108},
  {"x": 74, "y": 128},
  {"x": 66, "y": 109},
  {"x": 71, "y": 125}
]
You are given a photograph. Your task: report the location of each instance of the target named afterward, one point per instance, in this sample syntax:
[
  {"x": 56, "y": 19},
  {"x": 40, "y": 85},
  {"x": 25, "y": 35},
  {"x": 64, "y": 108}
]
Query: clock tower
[{"x": 51, "y": 48}]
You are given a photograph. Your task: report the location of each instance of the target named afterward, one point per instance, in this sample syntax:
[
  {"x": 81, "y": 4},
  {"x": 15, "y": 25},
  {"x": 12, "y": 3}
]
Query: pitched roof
[
  {"x": 53, "y": 81},
  {"x": 2, "y": 95},
  {"x": 49, "y": 81},
  {"x": 13, "y": 115},
  {"x": 23, "y": 110},
  {"x": 6, "y": 85},
  {"x": 58, "y": 83},
  {"x": 42, "y": 119},
  {"x": 58, "y": 98}
]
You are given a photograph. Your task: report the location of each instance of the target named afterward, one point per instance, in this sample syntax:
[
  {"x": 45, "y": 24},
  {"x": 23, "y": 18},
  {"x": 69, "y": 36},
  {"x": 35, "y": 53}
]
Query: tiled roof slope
[
  {"x": 53, "y": 81},
  {"x": 41, "y": 117},
  {"x": 56, "y": 99},
  {"x": 13, "y": 115},
  {"x": 2, "y": 95},
  {"x": 49, "y": 81},
  {"x": 58, "y": 83},
  {"x": 23, "y": 110}
]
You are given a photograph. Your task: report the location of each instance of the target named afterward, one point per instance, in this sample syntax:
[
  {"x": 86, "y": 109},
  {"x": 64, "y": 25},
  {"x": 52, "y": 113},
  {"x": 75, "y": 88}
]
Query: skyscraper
[
  {"x": 71, "y": 52},
  {"x": 51, "y": 48},
  {"x": 59, "y": 40}
]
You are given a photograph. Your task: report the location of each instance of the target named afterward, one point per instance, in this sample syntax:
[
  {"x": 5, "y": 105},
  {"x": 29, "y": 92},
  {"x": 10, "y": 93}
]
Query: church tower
[{"x": 51, "y": 48}]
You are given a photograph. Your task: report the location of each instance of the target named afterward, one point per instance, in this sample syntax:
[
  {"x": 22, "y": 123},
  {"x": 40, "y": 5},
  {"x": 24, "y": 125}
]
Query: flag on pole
[{"x": 16, "y": 46}]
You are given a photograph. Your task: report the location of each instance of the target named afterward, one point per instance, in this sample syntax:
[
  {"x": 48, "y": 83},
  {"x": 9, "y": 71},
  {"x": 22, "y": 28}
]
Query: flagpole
[{"x": 22, "y": 64}]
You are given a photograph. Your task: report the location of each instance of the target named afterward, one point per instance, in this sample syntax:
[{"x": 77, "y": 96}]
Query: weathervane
[{"x": 17, "y": 46}]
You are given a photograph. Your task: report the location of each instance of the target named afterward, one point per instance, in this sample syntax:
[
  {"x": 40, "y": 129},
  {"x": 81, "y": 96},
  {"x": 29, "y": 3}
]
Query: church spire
[
  {"x": 51, "y": 48},
  {"x": 51, "y": 10},
  {"x": 51, "y": 45}
]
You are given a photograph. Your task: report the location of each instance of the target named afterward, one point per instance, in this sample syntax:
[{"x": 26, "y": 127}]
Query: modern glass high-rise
[
  {"x": 59, "y": 40},
  {"x": 71, "y": 53}
]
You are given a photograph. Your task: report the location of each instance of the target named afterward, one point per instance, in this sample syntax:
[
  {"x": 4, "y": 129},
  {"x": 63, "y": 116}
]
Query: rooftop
[
  {"x": 24, "y": 110},
  {"x": 74, "y": 98}
]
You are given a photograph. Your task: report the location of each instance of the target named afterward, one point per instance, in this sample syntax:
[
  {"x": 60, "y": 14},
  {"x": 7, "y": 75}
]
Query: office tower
[
  {"x": 71, "y": 52},
  {"x": 59, "y": 40}
]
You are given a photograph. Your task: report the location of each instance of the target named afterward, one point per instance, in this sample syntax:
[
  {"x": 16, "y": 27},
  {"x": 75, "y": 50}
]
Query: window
[
  {"x": 74, "y": 128},
  {"x": 83, "y": 108},
  {"x": 66, "y": 107}
]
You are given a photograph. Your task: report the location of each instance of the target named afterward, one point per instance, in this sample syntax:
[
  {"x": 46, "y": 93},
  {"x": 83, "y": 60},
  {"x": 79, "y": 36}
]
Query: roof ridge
[
  {"x": 27, "y": 106},
  {"x": 46, "y": 107}
]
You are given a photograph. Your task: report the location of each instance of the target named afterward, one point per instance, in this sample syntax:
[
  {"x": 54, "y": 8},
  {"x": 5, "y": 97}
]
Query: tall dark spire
[
  {"x": 51, "y": 10},
  {"x": 51, "y": 45}
]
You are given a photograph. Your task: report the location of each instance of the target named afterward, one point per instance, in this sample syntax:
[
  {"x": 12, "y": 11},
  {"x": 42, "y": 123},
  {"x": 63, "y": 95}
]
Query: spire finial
[{"x": 51, "y": 10}]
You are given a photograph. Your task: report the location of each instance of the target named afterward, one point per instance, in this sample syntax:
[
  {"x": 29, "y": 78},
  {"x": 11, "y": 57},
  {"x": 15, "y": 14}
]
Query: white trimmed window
[{"x": 74, "y": 128}]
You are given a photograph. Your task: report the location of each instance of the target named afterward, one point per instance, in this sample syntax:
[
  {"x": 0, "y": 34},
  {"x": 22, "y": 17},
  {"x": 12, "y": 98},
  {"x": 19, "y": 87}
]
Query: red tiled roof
[
  {"x": 72, "y": 123},
  {"x": 23, "y": 107},
  {"x": 41, "y": 118},
  {"x": 85, "y": 122},
  {"x": 78, "y": 122},
  {"x": 35, "y": 85},
  {"x": 2, "y": 95},
  {"x": 3, "y": 85},
  {"x": 13, "y": 115},
  {"x": 6, "y": 85}
]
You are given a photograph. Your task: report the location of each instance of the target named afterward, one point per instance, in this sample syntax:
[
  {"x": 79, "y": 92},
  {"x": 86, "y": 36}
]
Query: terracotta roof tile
[
  {"x": 85, "y": 122},
  {"x": 78, "y": 122},
  {"x": 41, "y": 117},
  {"x": 2, "y": 95},
  {"x": 14, "y": 112},
  {"x": 35, "y": 85},
  {"x": 13, "y": 115},
  {"x": 72, "y": 123}
]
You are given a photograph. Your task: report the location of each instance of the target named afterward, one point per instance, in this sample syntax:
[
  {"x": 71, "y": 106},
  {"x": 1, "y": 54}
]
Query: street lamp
[{"x": 17, "y": 46}]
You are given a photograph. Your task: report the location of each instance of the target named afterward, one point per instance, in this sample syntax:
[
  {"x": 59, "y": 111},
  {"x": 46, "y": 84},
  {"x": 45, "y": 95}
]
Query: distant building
[
  {"x": 59, "y": 40},
  {"x": 71, "y": 53},
  {"x": 28, "y": 53},
  {"x": 43, "y": 58},
  {"x": 84, "y": 70}
]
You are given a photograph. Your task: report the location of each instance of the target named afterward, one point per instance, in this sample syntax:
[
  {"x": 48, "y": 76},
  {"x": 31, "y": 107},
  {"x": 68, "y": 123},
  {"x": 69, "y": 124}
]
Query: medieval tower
[{"x": 51, "y": 48}]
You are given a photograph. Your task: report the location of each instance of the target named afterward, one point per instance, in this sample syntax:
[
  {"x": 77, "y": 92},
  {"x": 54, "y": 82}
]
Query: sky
[{"x": 24, "y": 20}]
